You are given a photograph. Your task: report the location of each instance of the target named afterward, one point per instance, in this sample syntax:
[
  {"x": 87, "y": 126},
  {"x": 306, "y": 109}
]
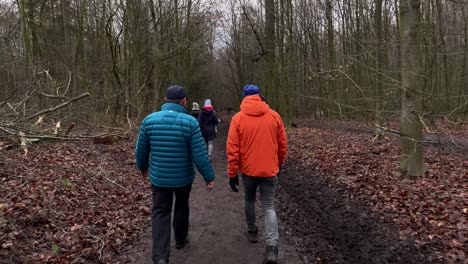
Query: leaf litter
[
  {"x": 73, "y": 202},
  {"x": 425, "y": 213},
  {"x": 77, "y": 202}
]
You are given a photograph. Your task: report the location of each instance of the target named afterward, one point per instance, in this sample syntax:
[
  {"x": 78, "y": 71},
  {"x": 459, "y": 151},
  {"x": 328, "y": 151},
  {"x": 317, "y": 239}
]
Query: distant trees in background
[
  {"x": 124, "y": 52},
  {"x": 312, "y": 58},
  {"x": 340, "y": 58}
]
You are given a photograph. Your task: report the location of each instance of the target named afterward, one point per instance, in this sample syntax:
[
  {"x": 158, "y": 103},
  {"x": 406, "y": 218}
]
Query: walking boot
[
  {"x": 252, "y": 236},
  {"x": 271, "y": 255},
  {"x": 181, "y": 245}
]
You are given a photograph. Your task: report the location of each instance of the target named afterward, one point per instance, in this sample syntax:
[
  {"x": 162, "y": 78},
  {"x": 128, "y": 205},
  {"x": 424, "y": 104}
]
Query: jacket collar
[{"x": 174, "y": 107}]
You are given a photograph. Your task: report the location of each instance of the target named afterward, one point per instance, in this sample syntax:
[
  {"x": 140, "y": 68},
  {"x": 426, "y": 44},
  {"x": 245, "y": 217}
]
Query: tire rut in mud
[{"x": 329, "y": 227}]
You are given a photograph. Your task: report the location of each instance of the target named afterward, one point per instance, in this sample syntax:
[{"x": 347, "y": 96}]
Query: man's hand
[
  {"x": 233, "y": 182},
  {"x": 210, "y": 185},
  {"x": 144, "y": 173}
]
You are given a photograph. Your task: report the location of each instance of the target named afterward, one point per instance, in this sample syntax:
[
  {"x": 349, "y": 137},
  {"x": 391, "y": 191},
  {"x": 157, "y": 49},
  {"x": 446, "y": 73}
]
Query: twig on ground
[
  {"x": 105, "y": 177},
  {"x": 101, "y": 239}
]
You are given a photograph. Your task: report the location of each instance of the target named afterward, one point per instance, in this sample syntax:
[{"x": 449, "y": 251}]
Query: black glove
[
  {"x": 233, "y": 182},
  {"x": 279, "y": 171}
]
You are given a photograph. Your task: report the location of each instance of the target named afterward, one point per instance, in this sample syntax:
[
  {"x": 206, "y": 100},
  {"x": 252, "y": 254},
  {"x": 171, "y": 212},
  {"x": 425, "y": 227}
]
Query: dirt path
[
  {"x": 319, "y": 223},
  {"x": 217, "y": 228}
]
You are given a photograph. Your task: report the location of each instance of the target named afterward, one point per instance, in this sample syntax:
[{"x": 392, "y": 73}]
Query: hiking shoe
[
  {"x": 271, "y": 255},
  {"x": 252, "y": 236},
  {"x": 162, "y": 261},
  {"x": 181, "y": 245}
]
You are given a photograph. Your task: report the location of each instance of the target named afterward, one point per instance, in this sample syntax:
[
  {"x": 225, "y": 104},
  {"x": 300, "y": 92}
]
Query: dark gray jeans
[
  {"x": 161, "y": 219},
  {"x": 267, "y": 188}
]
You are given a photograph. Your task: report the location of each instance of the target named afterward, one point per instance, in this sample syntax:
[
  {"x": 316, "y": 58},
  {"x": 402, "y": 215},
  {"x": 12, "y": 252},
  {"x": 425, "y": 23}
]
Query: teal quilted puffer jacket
[{"x": 169, "y": 144}]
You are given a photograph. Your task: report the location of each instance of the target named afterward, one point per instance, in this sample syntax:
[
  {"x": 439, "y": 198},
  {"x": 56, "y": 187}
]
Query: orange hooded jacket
[{"x": 256, "y": 144}]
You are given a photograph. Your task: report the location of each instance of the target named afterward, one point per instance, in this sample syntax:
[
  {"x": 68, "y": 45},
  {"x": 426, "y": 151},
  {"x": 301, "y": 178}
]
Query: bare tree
[{"x": 412, "y": 155}]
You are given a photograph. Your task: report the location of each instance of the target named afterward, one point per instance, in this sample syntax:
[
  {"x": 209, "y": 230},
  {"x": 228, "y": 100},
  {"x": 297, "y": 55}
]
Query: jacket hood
[{"x": 254, "y": 106}]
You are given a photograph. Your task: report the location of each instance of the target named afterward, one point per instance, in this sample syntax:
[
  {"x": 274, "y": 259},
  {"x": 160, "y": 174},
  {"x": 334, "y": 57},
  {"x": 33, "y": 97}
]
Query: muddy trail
[
  {"x": 330, "y": 226},
  {"x": 319, "y": 223},
  {"x": 217, "y": 230}
]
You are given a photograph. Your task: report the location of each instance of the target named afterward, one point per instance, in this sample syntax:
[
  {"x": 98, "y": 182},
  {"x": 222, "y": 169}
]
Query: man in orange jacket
[{"x": 256, "y": 147}]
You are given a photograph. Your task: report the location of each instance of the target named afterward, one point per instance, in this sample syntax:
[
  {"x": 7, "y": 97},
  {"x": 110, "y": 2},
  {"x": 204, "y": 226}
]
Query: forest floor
[{"x": 338, "y": 202}]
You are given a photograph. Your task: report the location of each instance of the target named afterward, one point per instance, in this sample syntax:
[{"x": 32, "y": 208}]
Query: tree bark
[
  {"x": 330, "y": 34},
  {"x": 411, "y": 129},
  {"x": 270, "y": 57},
  {"x": 379, "y": 57},
  {"x": 464, "y": 71}
]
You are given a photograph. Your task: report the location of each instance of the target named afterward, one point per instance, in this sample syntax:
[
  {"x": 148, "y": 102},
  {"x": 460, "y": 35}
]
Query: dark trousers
[{"x": 161, "y": 219}]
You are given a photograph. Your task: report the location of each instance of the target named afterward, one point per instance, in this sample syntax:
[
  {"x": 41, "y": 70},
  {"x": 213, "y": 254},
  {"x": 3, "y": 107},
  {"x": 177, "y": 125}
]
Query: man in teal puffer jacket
[{"x": 169, "y": 143}]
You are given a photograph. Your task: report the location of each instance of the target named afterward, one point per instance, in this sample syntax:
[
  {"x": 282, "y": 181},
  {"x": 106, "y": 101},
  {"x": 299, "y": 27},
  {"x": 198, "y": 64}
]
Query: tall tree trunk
[
  {"x": 153, "y": 90},
  {"x": 464, "y": 74},
  {"x": 411, "y": 128},
  {"x": 79, "y": 52},
  {"x": 293, "y": 67},
  {"x": 331, "y": 60},
  {"x": 397, "y": 15},
  {"x": 379, "y": 53},
  {"x": 446, "y": 82},
  {"x": 330, "y": 34},
  {"x": 32, "y": 50},
  {"x": 270, "y": 57}
]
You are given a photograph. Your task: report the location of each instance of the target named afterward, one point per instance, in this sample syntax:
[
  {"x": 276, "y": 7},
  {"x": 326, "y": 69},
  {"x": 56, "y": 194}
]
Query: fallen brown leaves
[
  {"x": 72, "y": 202},
  {"x": 421, "y": 207},
  {"x": 76, "y": 202}
]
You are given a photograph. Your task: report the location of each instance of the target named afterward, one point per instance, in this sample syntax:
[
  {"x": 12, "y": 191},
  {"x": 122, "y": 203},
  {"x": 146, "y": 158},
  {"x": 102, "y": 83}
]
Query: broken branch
[{"x": 59, "y": 106}]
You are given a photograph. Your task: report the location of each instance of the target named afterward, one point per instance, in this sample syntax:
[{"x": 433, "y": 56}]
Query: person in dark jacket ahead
[
  {"x": 208, "y": 121},
  {"x": 195, "y": 110},
  {"x": 168, "y": 145}
]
